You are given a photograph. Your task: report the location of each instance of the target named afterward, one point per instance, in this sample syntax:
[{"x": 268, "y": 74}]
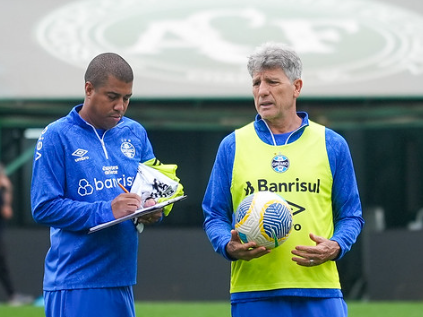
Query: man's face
[
  {"x": 104, "y": 106},
  {"x": 274, "y": 94}
]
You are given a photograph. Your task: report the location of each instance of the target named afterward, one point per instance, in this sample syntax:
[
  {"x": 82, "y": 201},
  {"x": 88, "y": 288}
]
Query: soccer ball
[{"x": 265, "y": 218}]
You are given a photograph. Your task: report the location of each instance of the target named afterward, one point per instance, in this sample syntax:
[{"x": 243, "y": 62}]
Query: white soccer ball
[{"x": 265, "y": 218}]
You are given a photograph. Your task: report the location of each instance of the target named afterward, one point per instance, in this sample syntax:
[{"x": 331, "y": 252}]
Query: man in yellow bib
[{"x": 307, "y": 164}]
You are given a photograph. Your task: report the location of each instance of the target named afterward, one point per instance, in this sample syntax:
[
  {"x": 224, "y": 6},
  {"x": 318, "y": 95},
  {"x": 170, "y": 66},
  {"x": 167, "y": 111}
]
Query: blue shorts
[
  {"x": 290, "y": 307},
  {"x": 105, "y": 302}
]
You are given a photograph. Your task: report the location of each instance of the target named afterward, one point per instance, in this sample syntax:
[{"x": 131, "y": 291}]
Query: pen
[{"x": 123, "y": 188}]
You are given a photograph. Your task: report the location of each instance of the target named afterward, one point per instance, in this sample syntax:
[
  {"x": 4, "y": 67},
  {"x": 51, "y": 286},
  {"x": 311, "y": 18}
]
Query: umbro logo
[{"x": 80, "y": 152}]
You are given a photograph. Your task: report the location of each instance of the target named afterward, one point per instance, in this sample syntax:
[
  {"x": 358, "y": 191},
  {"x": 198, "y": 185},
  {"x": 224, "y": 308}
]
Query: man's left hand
[
  {"x": 152, "y": 217},
  {"x": 324, "y": 250}
]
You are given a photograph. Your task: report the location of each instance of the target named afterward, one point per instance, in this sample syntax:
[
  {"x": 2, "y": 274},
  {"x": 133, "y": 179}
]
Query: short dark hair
[{"x": 107, "y": 64}]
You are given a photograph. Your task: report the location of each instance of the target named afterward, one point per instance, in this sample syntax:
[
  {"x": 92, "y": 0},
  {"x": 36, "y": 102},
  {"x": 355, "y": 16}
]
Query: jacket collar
[{"x": 266, "y": 136}]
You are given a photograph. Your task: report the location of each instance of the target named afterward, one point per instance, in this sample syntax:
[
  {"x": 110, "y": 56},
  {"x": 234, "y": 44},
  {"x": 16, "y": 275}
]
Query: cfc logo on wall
[{"x": 165, "y": 38}]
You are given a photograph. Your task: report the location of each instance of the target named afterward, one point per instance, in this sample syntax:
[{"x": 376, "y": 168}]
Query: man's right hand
[
  {"x": 125, "y": 204},
  {"x": 236, "y": 249}
]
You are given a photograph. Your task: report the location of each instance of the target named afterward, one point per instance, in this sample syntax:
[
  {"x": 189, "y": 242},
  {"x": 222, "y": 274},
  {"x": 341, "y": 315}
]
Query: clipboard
[{"x": 136, "y": 214}]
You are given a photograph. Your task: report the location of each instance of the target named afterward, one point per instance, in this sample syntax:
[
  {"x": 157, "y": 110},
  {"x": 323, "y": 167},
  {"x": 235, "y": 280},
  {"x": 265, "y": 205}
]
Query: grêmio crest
[{"x": 280, "y": 163}]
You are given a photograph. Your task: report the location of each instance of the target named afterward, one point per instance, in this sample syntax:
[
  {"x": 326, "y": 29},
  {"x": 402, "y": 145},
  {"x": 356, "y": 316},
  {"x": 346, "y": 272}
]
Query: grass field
[{"x": 222, "y": 309}]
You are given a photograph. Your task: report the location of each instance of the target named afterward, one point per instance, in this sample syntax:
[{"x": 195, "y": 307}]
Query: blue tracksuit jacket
[{"x": 75, "y": 173}]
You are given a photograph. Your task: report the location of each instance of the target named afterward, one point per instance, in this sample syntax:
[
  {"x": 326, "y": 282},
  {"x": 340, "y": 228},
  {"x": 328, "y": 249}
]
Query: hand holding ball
[{"x": 265, "y": 218}]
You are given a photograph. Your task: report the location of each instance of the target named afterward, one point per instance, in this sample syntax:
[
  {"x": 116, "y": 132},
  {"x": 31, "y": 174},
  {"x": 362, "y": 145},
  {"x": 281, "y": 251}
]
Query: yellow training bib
[{"x": 300, "y": 173}]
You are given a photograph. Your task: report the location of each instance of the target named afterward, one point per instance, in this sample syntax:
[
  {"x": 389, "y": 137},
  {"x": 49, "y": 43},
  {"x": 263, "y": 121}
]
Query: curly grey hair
[{"x": 272, "y": 55}]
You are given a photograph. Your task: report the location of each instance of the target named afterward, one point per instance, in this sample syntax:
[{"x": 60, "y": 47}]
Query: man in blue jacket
[
  {"x": 299, "y": 278},
  {"x": 79, "y": 162}
]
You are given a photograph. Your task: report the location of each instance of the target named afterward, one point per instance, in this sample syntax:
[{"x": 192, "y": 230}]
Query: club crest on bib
[{"x": 280, "y": 163}]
